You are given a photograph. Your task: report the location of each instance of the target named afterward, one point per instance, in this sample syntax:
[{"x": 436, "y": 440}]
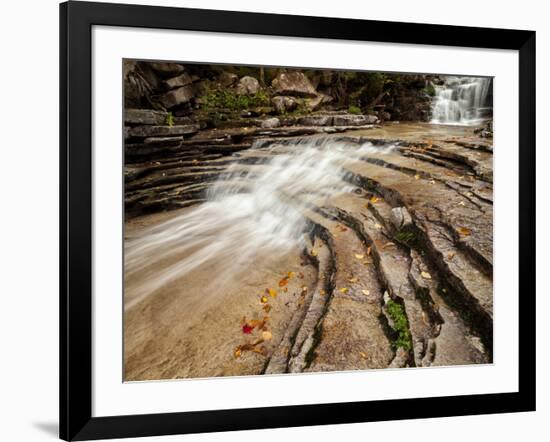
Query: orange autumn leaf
[
  {"x": 464, "y": 231},
  {"x": 283, "y": 281}
]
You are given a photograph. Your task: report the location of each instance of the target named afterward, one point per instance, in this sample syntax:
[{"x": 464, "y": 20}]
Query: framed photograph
[{"x": 272, "y": 221}]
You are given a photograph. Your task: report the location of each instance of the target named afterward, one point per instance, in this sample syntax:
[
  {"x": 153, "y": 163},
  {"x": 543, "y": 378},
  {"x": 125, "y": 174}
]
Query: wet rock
[
  {"x": 317, "y": 120},
  {"x": 177, "y": 96},
  {"x": 284, "y": 104},
  {"x": 163, "y": 141},
  {"x": 293, "y": 83},
  {"x": 156, "y": 131},
  {"x": 271, "y": 123},
  {"x": 179, "y": 81},
  {"x": 144, "y": 116},
  {"x": 247, "y": 86}
]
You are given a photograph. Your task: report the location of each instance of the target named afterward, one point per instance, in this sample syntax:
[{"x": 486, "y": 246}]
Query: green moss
[
  {"x": 169, "y": 119},
  {"x": 355, "y": 110},
  {"x": 398, "y": 316},
  {"x": 225, "y": 99}
]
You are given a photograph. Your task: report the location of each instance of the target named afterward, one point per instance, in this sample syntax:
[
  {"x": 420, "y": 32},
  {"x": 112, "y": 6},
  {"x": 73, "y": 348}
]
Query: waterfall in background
[{"x": 462, "y": 101}]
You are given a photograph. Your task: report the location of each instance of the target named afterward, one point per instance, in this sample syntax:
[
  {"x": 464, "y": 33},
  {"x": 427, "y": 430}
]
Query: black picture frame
[{"x": 76, "y": 21}]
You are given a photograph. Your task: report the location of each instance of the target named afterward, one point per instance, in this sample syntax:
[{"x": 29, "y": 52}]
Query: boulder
[
  {"x": 270, "y": 123},
  {"x": 167, "y": 70},
  {"x": 163, "y": 131},
  {"x": 177, "y": 96},
  {"x": 401, "y": 218},
  {"x": 354, "y": 120},
  {"x": 179, "y": 81},
  {"x": 227, "y": 79},
  {"x": 144, "y": 116},
  {"x": 284, "y": 104},
  {"x": 247, "y": 86},
  {"x": 315, "y": 103},
  {"x": 293, "y": 83}
]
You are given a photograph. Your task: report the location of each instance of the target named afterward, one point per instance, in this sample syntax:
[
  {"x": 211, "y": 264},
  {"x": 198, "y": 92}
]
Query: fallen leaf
[
  {"x": 365, "y": 292},
  {"x": 264, "y": 299},
  {"x": 247, "y": 329},
  {"x": 271, "y": 292},
  {"x": 388, "y": 244},
  {"x": 450, "y": 255},
  {"x": 283, "y": 281},
  {"x": 425, "y": 275},
  {"x": 343, "y": 290},
  {"x": 374, "y": 199},
  {"x": 237, "y": 353},
  {"x": 313, "y": 253},
  {"x": 358, "y": 256},
  {"x": 464, "y": 231},
  {"x": 267, "y": 308},
  {"x": 363, "y": 355},
  {"x": 290, "y": 274},
  {"x": 266, "y": 335}
]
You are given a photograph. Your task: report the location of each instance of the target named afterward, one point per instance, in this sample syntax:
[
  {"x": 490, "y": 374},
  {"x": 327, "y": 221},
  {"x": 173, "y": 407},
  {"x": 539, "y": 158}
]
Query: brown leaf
[{"x": 283, "y": 281}]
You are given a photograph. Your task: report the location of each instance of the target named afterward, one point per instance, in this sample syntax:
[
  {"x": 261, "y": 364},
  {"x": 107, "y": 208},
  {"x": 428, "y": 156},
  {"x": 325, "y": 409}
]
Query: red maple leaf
[{"x": 247, "y": 329}]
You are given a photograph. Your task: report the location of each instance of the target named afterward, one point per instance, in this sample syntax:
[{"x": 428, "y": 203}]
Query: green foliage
[
  {"x": 429, "y": 90},
  {"x": 225, "y": 99},
  {"x": 354, "y": 109},
  {"x": 169, "y": 119},
  {"x": 401, "y": 325}
]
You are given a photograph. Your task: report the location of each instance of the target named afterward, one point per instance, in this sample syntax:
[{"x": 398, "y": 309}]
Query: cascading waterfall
[
  {"x": 250, "y": 208},
  {"x": 462, "y": 101}
]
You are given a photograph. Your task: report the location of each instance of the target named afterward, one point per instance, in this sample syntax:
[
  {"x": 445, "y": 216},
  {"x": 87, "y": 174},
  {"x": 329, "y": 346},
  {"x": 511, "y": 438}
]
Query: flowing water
[
  {"x": 462, "y": 101},
  {"x": 249, "y": 209}
]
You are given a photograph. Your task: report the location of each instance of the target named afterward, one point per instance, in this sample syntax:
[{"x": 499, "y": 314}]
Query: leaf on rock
[
  {"x": 283, "y": 281},
  {"x": 359, "y": 256},
  {"x": 264, "y": 299},
  {"x": 374, "y": 199},
  {"x": 388, "y": 244},
  {"x": 290, "y": 274},
  {"x": 343, "y": 290},
  {"x": 464, "y": 231},
  {"x": 313, "y": 253},
  {"x": 247, "y": 329},
  {"x": 271, "y": 292},
  {"x": 425, "y": 275}
]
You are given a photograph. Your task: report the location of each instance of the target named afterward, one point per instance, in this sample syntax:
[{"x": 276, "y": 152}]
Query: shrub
[
  {"x": 226, "y": 99},
  {"x": 354, "y": 109}
]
